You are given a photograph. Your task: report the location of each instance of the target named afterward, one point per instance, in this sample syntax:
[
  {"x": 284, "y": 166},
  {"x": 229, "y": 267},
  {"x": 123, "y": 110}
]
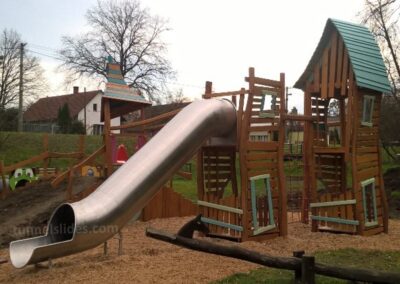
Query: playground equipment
[
  {"x": 346, "y": 66},
  {"x": 254, "y": 127},
  {"x": 44, "y": 172},
  {"x": 258, "y": 211},
  {"x": 87, "y": 223}
]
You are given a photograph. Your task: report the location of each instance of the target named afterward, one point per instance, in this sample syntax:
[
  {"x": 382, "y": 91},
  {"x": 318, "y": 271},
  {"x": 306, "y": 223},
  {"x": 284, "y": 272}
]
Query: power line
[{"x": 43, "y": 54}]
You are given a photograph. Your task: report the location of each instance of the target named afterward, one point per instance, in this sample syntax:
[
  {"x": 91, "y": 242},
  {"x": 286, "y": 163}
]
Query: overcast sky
[{"x": 215, "y": 40}]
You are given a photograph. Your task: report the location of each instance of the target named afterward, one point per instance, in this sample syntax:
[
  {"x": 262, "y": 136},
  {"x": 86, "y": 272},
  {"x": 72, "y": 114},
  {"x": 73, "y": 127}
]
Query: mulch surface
[{"x": 146, "y": 260}]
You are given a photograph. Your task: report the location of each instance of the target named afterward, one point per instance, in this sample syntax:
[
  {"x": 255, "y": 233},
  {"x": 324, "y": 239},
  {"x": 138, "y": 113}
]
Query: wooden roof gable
[{"x": 346, "y": 52}]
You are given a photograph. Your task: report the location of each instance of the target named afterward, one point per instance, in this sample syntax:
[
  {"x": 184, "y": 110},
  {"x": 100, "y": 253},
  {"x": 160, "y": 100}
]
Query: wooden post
[
  {"x": 243, "y": 170},
  {"x": 45, "y": 149},
  {"x": 4, "y": 191},
  {"x": 240, "y": 118},
  {"x": 297, "y": 272},
  {"x": 282, "y": 185},
  {"x": 307, "y": 269},
  {"x": 107, "y": 137},
  {"x": 385, "y": 208},
  {"x": 358, "y": 208},
  {"x": 208, "y": 90}
]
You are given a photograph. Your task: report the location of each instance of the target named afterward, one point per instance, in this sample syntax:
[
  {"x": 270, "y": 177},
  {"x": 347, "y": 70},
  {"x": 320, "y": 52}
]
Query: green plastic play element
[{"x": 22, "y": 174}]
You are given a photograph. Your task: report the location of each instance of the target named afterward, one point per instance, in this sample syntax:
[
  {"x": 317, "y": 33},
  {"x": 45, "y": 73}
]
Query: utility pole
[
  {"x": 21, "y": 87},
  {"x": 84, "y": 111}
]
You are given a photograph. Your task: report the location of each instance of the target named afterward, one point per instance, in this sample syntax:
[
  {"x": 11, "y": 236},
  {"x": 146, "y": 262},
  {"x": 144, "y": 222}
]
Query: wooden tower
[
  {"x": 257, "y": 210},
  {"x": 345, "y": 181},
  {"x": 118, "y": 99}
]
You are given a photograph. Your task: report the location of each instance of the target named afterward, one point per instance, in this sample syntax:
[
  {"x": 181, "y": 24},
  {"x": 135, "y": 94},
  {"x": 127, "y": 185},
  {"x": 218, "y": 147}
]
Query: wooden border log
[{"x": 289, "y": 263}]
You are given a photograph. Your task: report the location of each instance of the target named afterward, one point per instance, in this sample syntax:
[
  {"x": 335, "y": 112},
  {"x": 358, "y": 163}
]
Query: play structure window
[
  {"x": 268, "y": 104},
  {"x": 261, "y": 204},
  {"x": 368, "y": 109},
  {"x": 369, "y": 202},
  {"x": 94, "y": 107}
]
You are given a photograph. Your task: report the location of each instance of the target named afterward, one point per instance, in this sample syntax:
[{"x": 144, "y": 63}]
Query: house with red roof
[{"x": 83, "y": 106}]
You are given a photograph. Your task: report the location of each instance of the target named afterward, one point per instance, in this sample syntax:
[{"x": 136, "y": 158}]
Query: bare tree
[
  {"x": 176, "y": 97},
  {"x": 33, "y": 79},
  {"x": 382, "y": 17},
  {"x": 128, "y": 33}
]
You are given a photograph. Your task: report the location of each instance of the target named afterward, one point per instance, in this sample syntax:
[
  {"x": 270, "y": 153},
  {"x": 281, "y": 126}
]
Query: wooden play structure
[
  {"x": 258, "y": 210},
  {"x": 344, "y": 182},
  {"x": 246, "y": 184}
]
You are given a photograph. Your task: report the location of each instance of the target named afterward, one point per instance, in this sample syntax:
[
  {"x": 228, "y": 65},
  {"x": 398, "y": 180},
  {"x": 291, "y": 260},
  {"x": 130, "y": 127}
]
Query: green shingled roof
[{"x": 365, "y": 57}]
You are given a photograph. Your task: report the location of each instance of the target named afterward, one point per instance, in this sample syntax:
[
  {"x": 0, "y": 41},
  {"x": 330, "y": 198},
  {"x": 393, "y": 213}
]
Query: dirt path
[
  {"x": 25, "y": 213},
  {"x": 150, "y": 261}
]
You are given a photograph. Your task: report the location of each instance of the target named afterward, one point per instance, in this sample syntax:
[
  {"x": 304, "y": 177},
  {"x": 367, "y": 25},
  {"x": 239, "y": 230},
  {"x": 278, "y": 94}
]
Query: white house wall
[{"x": 93, "y": 116}]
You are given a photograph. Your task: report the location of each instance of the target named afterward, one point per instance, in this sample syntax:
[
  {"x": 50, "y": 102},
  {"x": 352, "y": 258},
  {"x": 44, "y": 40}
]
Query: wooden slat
[
  {"x": 40, "y": 157},
  {"x": 146, "y": 121},
  {"x": 317, "y": 79},
  {"x": 332, "y": 65},
  {"x": 324, "y": 79},
  {"x": 261, "y": 156},
  {"x": 339, "y": 63},
  {"x": 367, "y": 158},
  {"x": 259, "y": 146},
  {"x": 260, "y": 164},
  {"x": 265, "y": 82},
  {"x": 343, "y": 87},
  {"x": 224, "y": 94}
]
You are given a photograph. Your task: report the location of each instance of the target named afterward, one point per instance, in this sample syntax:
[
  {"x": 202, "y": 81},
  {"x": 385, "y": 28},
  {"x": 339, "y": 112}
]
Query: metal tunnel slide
[{"x": 78, "y": 226}]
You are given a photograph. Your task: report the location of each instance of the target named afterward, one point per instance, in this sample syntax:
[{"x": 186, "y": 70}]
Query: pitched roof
[
  {"x": 364, "y": 54},
  {"x": 122, "y": 98},
  {"x": 46, "y": 109}
]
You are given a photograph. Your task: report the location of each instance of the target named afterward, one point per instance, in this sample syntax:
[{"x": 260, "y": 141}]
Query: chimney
[{"x": 76, "y": 90}]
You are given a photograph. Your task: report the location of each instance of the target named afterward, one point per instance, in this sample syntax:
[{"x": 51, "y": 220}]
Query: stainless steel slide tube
[{"x": 85, "y": 224}]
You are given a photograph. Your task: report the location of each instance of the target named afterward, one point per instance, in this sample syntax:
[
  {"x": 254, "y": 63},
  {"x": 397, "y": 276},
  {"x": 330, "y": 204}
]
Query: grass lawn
[{"x": 366, "y": 259}]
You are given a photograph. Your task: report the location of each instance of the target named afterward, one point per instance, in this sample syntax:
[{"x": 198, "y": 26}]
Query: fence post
[
  {"x": 4, "y": 190},
  {"x": 297, "y": 272},
  {"x": 307, "y": 269}
]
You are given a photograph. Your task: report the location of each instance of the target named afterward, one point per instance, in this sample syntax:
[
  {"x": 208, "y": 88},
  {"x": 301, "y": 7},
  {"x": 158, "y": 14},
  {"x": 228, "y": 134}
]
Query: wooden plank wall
[
  {"x": 330, "y": 172},
  {"x": 342, "y": 211},
  {"x": 263, "y": 157},
  {"x": 218, "y": 172},
  {"x": 368, "y": 164},
  {"x": 167, "y": 203}
]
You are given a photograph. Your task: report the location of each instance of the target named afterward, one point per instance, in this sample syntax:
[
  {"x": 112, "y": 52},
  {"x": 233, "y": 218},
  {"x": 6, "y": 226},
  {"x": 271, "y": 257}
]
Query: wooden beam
[
  {"x": 86, "y": 161},
  {"x": 339, "y": 70},
  {"x": 324, "y": 79},
  {"x": 264, "y": 82},
  {"x": 220, "y": 207},
  {"x": 295, "y": 117},
  {"x": 317, "y": 78},
  {"x": 332, "y": 65},
  {"x": 146, "y": 121},
  {"x": 343, "y": 87},
  {"x": 283, "y": 229},
  {"x": 24, "y": 163},
  {"x": 224, "y": 94},
  {"x": 332, "y": 203}
]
